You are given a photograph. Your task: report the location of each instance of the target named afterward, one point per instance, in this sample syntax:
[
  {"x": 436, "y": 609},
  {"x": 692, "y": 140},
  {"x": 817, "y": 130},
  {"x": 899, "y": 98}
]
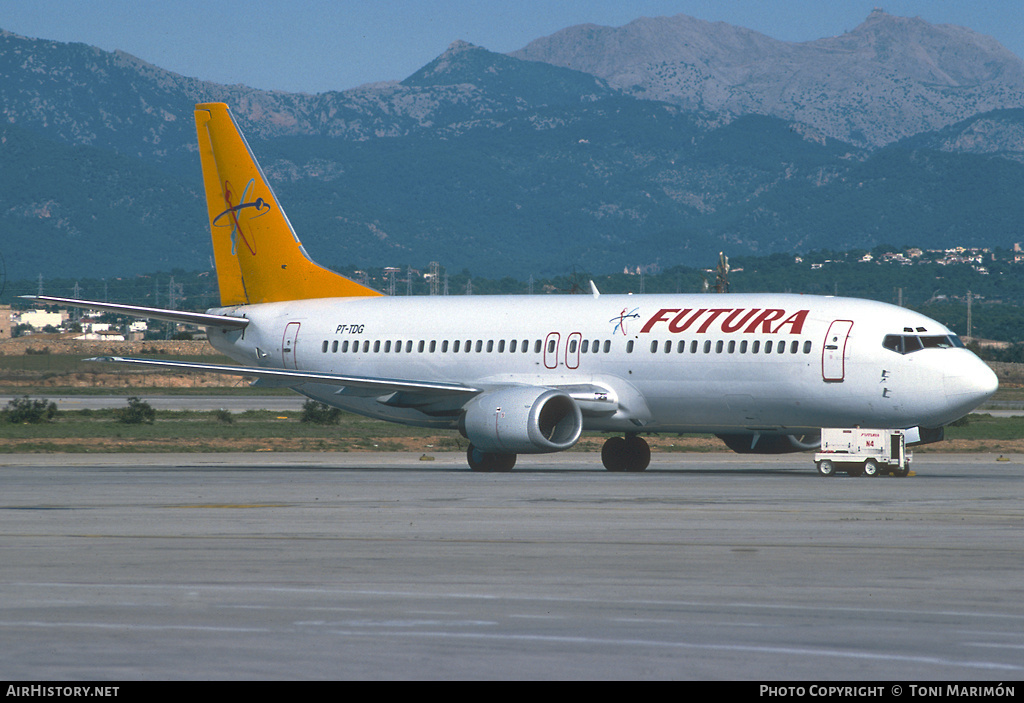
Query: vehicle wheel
[
  {"x": 870, "y": 468},
  {"x": 489, "y": 461},
  {"x": 826, "y": 467}
]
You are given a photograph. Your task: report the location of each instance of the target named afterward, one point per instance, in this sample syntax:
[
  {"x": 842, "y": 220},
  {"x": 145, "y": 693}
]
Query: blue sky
[{"x": 320, "y": 45}]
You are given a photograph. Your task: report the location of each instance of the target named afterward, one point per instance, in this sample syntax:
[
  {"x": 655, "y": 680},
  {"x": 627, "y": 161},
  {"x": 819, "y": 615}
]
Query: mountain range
[{"x": 664, "y": 141}]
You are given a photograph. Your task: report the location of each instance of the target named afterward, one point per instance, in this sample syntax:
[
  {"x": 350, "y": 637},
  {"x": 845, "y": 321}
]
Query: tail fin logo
[{"x": 235, "y": 213}]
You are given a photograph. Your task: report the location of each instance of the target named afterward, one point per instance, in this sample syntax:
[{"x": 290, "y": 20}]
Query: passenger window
[
  {"x": 607, "y": 345},
  {"x": 501, "y": 346},
  {"x": 794, "y": 346},
  {"x": 756, "y": 346},
  {"x": 693, "y": 347},
  {"x": 707, "y": 347},
  {"x": 455, "y": 347},
  {"x": 366, "y": 345},
  {"x": 572, "y": 346},
  {"x": 732, "y": 346},
  {"x": 324, "y": 350},
  {"x": 807, "y": 347},
  {"x": 629, "y": 347},
  {"x": 585, "y": 346},
  {"x": 768, "y": 347},
  {"x": 536, "y": 347},
  {"x": 512, "y": 346},
  {"x": 344, "y": 346}
]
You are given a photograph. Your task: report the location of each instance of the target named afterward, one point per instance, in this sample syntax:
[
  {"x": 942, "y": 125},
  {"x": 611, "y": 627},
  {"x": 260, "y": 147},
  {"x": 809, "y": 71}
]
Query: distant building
[
  {"x": 39, "y": 319},
  {"x": 5, "y": 322}
]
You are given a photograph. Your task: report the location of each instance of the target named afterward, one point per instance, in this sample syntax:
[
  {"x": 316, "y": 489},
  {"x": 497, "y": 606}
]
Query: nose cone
[{"x": 968, "y": 384}]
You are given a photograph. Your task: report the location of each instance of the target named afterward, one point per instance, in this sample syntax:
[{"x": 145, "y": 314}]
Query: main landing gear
[
  {"x": 489, "y": 461},
  {"x": 629, "y": 453}
]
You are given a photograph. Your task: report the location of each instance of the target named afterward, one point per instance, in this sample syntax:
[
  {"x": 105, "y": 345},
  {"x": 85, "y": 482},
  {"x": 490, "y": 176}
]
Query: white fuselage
[{"x": 654, "y": 363}]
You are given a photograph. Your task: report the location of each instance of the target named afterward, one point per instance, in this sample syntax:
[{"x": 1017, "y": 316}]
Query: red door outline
[
  {"x": 551, "y": 358},
  {"x": 833, "y": 351},
  {"x": 572, "y": 358}
]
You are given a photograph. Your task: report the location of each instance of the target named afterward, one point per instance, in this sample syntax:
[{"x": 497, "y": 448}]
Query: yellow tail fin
[{"x": 259, "y": 258}]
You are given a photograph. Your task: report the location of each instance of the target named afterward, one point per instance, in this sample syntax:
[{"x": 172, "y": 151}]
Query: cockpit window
[
  {"x": 936, "y": 342},
  {"x": 909, "y": 343}
]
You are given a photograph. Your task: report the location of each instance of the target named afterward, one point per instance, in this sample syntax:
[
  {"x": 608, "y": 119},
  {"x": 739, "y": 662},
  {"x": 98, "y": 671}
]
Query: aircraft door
[
  {"x": 572, "y": 350},
  {"x": 551, "y": 344},
  {"x": 833, "y": 352},
  {"x": 288, "y": 345}
]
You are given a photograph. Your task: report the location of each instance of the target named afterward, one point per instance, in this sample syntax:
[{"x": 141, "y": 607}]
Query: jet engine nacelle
[
  {"x": 522, "y": 420},
  {"x": 770, "y": 444}
]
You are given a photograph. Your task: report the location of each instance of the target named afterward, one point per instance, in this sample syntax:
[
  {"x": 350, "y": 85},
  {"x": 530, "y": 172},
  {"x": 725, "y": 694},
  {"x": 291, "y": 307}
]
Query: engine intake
[{"x": 522, "y": 420}]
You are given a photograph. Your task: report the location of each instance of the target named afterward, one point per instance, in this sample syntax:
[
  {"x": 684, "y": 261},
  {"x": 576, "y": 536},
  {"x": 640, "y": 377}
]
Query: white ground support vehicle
[{"x": 863, "y": 452}]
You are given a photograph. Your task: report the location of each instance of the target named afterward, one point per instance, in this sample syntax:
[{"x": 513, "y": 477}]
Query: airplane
[{"x": 528, "y": 374}]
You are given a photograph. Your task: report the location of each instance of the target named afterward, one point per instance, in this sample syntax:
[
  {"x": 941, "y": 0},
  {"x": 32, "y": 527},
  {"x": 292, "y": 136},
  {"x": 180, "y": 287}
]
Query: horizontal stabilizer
[
  {"x": 289, "y": 377},
  {"x": 193, "y": 318}
]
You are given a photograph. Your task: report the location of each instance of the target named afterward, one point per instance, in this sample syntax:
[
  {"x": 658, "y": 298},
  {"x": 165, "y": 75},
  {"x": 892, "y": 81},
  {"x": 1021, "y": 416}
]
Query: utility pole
[
  {"x": 435, "y": 273},
  {"x": 969, "y": 321},
  {"x": 722, "y": 274}
]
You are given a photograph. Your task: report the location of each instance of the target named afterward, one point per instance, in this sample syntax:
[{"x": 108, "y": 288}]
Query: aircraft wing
[
  {"x": 291, "y": 377},
  {"x": 193, "y": 318}
]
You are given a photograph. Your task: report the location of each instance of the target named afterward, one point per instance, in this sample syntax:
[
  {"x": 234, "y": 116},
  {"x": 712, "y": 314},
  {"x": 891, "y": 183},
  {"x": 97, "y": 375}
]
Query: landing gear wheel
[
  {"x": 826, "y": 467},
  {"x": 489, "y": 461},
  {"x": 639, "y": 453},
  {"x": 613, "y": 454},
  {"x": 870, "y": 468},
  {"x": 630, "y": 453},
  {"x": 901, "y": 473}
]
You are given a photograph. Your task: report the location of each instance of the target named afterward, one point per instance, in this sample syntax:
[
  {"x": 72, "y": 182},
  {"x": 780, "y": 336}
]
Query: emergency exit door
[{"x": 288, "y": 344}]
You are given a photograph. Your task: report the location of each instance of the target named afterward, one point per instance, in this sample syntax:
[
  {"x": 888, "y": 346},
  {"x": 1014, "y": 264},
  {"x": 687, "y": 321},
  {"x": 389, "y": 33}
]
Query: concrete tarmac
[{"x": 385, "y": 566}]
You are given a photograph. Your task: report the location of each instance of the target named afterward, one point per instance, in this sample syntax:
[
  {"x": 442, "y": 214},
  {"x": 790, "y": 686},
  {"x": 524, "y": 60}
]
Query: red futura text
[{"x": 730, "y": 320}]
